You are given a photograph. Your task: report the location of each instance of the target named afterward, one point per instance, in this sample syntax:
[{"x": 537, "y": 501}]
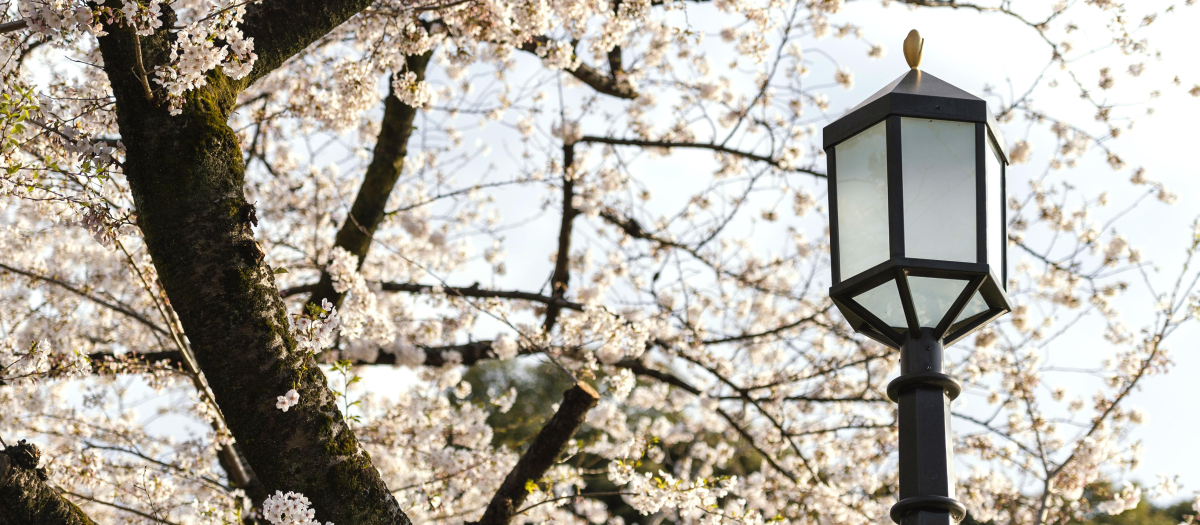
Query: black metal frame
[
  {"x": 919, "y": 95},
  {"x": 977, "y": 278}
]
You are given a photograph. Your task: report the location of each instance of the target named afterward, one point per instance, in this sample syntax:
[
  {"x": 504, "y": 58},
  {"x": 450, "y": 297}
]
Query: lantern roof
[
  {"x": 915, "y": 94},
  {"x": 917, "y": 82}
]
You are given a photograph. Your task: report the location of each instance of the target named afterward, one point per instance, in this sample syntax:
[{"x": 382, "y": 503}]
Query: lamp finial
[{"x": 913, "y": 46}]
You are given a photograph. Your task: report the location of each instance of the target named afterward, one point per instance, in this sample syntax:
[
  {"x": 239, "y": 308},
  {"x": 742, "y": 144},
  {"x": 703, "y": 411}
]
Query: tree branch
[
  {"x": 15, "y": 25},
  {"x": 481, "y": 293},
  {"x": 87, "y": 295},
  {"x": 473, "y": 291},
  {"x": 26, "y": 498},
  {"x": 187, "y": 178},
  {"x": 562, "y": 262},
  {"x": 549, "y": 444},
  {"x": 642, "y": 370},
  {"x": 282, "y": 28},
  {"x": 368, "y": 211},
  {"x": 666, "y": 144},
  {"x": 466, "y": 354},
  {"x": 612, "y": 85}
]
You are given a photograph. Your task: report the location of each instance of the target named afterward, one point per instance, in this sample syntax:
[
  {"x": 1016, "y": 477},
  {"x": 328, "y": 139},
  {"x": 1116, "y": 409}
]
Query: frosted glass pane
[
  {"x": 995, "y": 214},
  {"x": 974, "y": 307},
  {"x": 939, "y": 189},
  {"x": 884, "y": 302},
  {"x": 933, "y": 297},
  {"x": 862, "y": 201}
]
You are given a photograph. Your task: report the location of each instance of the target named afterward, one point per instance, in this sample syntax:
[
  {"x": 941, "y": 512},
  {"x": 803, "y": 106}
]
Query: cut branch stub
[{"x": 549, "y": 444}]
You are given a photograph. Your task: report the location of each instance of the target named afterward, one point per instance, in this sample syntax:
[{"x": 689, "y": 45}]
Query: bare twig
[{"x": 141, "y": 68}]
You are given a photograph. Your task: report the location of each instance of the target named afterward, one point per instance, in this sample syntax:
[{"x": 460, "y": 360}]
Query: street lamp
[{"x": 918, "y": 244}]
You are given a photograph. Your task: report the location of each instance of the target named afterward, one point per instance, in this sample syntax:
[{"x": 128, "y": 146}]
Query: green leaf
[{"x": 280, "y": 270}]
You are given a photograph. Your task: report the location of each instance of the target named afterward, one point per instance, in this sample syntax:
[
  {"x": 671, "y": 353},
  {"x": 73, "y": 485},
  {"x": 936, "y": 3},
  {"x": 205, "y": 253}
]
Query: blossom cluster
[
  {"x": 315, "y": 331},
  {"x": 289, "y": 509},
  {"x": 287, "y": 400},
  {"x": 195, "y": 50}
]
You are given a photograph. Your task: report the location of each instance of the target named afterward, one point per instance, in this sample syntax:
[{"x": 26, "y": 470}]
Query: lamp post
[{"x": 918, "y": 245}]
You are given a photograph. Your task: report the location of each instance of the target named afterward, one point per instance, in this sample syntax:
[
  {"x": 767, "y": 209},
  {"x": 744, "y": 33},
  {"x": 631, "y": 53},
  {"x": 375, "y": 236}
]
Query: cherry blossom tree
[{"x": 218, "y": 214}]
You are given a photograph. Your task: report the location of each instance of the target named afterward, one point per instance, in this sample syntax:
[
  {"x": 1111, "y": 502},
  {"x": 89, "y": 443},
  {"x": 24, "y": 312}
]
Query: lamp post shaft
[{"x": 923, "y": 393}]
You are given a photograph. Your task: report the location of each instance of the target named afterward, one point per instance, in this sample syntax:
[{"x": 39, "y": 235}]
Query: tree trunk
[{"x": 186, "y": 176}]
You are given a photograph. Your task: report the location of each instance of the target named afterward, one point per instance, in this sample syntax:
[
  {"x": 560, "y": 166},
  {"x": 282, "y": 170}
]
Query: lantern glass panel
[
  {"x": 995, "y": 213},
  {"x": 974, "y": 307},
  {"x": 938, "y": 158},
  {"x": 884, "y": 302},
  {"x": 862, "y": 201},
  {"x": 933, "y": 297}
]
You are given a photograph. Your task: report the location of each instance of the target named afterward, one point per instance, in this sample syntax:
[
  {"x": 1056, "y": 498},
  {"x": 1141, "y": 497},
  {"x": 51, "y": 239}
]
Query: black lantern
[
  {"x": 917, "y": 228},
  {"x": 917, "y": 215}
]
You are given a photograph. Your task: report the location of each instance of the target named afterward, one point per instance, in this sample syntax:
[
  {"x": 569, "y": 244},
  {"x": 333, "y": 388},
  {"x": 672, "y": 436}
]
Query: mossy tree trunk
[
  {"x": 26, "y": 498},
  {"x": 186, "y": 176}
]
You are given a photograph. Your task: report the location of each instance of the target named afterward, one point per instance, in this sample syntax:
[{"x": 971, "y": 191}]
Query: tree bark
[
  {"x": 391, "y": 147},
  {"x": 186, "y": 176},
  {"x": 25, "y": 499}
]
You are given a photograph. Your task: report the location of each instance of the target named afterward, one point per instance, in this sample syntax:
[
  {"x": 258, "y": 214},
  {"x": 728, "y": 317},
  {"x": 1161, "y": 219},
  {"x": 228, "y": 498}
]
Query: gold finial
[{"x": 913, "y": 46}]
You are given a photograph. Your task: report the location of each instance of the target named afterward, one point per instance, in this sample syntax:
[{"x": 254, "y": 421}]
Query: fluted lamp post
[{"x": 917, "y": 228}]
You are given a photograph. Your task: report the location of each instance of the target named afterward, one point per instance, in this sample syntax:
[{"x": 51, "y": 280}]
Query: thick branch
[
  {"x": 391, "y": 147},
  {"x": 616, "y": 85},
  {"x": 473, "y": 291},
  {"x": 549, "y": 444},
  {"x": 25, "y": 498},
  {"x": 465, "y": 354},
  {"x": 15, "y": 25},
  {"x": 282, "y": 28}
]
